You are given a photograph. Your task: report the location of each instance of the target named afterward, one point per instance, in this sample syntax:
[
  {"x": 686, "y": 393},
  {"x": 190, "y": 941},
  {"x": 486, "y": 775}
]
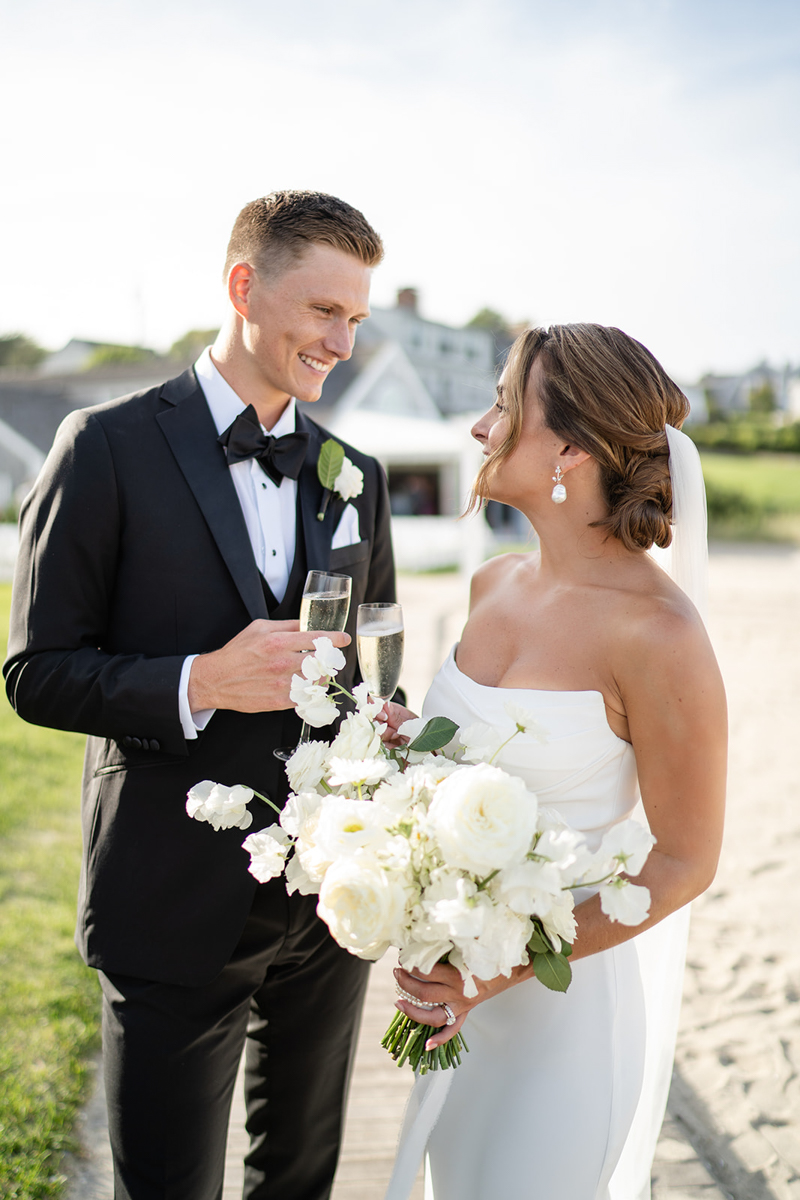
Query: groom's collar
[{"x": 224, "y": 403}]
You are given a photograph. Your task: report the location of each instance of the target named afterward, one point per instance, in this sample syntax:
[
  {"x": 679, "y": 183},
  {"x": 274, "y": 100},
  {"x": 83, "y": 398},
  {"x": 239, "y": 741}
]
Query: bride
[{"x": 561, "y": 1096}]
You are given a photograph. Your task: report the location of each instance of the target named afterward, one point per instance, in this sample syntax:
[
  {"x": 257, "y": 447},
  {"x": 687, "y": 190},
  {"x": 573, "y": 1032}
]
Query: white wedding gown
[{"x": 550, "y": 1103}]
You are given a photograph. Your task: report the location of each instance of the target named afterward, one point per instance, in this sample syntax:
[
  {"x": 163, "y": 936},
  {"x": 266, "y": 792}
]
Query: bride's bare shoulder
[{"x": 495, "y": 573}]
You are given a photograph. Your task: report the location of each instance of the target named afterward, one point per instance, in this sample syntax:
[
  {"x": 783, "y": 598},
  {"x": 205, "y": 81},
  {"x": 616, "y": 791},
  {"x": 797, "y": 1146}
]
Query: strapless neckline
[{"x": 550, "y": 693}]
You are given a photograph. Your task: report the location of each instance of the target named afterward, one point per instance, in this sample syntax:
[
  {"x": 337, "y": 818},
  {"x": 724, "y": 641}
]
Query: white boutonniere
[{"x": 337, "y": 474}]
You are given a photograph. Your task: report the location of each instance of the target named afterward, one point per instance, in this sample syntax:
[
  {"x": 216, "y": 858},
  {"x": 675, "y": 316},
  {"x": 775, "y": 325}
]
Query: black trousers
[{"x": 171, "y": 1054}]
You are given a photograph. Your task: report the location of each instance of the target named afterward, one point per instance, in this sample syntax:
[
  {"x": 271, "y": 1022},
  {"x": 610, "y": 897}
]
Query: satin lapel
[
  {"x": 318, "y": 535},
  {"x": 189, "y": 428}
]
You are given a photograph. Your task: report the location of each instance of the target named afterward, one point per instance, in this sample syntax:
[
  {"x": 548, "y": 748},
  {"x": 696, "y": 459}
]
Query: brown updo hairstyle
[{"x": 605, "y": 393}]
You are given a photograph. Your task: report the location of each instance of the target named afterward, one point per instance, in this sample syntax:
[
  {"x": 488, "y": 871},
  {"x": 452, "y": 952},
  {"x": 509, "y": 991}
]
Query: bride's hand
[
  {"x": 394, "y": 715},
  {"x": 444, "y": 985}
]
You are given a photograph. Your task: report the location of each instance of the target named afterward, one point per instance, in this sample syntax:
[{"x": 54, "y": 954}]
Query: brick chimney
[{"x": 407, "y": 298}]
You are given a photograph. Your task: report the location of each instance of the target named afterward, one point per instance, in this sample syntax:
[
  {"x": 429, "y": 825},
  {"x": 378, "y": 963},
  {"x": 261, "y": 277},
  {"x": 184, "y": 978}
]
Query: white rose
[
  {"x": 625, "y": 902},
  {"x": 313, "y": 704},
  {"x": 357, "y": 738},
  {"x": 483, "y": 819},
  {"x": 221, "y": 806},
  {"x": 363, "y": 905},
  {"x": 307, "y": 766},
  {"x": 268, "y": 850},
  {"x": 350, "y": 480}
]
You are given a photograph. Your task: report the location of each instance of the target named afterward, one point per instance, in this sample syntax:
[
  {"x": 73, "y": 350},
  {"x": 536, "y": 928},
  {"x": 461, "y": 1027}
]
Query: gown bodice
[{"x": 583, "y": 771}]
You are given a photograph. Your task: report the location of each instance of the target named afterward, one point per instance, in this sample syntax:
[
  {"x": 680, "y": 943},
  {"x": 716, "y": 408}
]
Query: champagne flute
[
  {"x": 380, "y": 639},
  {"x": 324, "y": 606}
]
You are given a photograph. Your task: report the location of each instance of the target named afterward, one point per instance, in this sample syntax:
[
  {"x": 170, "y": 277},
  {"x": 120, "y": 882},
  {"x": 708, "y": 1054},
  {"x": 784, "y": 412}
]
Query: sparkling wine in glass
[
  {"x": 324, "y": 606},
  {"x": 380, "y": 638}
]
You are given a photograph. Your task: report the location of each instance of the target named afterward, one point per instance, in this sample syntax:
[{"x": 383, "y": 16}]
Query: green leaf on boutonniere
[
  {"x": 329, "y": 463},
  {"x": 437, "y": 733}
]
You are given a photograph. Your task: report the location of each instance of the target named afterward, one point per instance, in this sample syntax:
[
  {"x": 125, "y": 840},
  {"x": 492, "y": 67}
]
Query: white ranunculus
[
  {"x": 357, "y": 738},
  {"x": 366, "y": 771},
  {"x": 483, "y": 819},
  {"x": 268, "y": 850},
  {"x": 350, "y": 480},
  {"x": 313, "y": 704},
  {"x": 221, "y": 806},
  {"x": 328, "y": 656},
  {"x": 528, "y": 887},
  {"x": 307, "y": 766},
  {"x": 346, "y": 826},
  {"x": 481, "y": 742},
  {"x": 363, "y": 905},
  {"x": 625, "y": 902},
  {"x": 627, "y": 843}
]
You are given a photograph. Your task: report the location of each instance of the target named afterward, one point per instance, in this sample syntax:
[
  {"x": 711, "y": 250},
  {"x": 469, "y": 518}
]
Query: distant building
[{"x": 731, "y": 394}]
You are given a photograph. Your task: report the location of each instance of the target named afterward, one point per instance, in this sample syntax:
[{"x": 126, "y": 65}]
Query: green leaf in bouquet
[
  {"x": 329, "y": 463},
  {"x": 538, "y": 943},
  {"x": 553, "y": 971},
  {"x": 437, "y": 733}
]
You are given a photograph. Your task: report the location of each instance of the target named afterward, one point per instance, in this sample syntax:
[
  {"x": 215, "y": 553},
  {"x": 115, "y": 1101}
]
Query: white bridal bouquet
[{"x": 431, "y": 848}]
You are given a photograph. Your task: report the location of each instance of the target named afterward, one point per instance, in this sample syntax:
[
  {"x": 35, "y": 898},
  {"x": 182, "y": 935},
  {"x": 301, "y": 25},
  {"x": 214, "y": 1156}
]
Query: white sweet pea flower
[
  {"x": 328, "y": 656},
  {"x": 358, "y": 737},
  {"x": 298, "y": 811},
  {"x": 364, "y": 771},
  {"x": 481, "y": 742},
  {"x": 412, "y": 728},
  {"x": 307, "y": 766},
  {"x": 370, "y": 708},
  {"x": 268, "y": 850},
  {"x": 463, "y": 915},
  {"x": 559, "y": 921},
  {"x": 525, "y": 721},
  {"x": 346, "y": 826},
  {"x": 625, "y": 902},
  {"x": 483, "y": 819},
  {"x": 350, "y": 480},
  {"x": 363, "y": 905},
  {"x": 422, "y": 952},
  {"x": 628, "y": 843},
  {"x": 528, "y": 887},
  {"x": 395, "y": 794},
  {"x": 313, "y": 704},
  {"x": 223, "y": 807},
  {"x": 503, "y": 944}
]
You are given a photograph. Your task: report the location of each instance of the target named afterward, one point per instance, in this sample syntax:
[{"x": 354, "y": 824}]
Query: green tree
[
  {"x": 105, "y": 356},
  {"x": 192, "y": 344},
  {"x": 17, "y": 350},
  {"x": 494, "y": 321},
  {"x": 762, "y": 399}
]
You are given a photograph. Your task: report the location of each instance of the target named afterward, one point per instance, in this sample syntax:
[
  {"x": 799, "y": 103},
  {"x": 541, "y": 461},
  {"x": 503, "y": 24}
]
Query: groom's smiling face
[{"x": 299, "y": 325}]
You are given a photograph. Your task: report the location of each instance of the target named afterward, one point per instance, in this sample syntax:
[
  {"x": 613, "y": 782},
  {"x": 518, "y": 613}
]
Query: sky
[{"x": 631, "y": 162}]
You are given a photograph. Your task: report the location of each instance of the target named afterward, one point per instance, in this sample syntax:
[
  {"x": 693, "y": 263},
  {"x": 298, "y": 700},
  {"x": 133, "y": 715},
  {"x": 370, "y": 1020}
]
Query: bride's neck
[{"x": 574, "y": 550}]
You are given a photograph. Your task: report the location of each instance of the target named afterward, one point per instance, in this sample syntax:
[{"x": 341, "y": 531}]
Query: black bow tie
[{"x": 277, "y": 456}]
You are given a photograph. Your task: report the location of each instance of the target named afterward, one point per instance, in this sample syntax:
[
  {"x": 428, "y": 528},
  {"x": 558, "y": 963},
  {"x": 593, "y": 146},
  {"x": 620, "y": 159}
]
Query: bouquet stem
[{"x": 405, "y": 1040}]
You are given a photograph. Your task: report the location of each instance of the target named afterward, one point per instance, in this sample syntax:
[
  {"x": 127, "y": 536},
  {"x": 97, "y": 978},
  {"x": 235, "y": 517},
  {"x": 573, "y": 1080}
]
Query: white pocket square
[{"x": 347, "y": 531}]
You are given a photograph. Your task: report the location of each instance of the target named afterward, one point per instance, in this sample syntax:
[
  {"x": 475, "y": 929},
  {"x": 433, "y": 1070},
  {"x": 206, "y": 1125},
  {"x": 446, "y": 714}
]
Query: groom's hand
[{"x": 253, "y": 671}]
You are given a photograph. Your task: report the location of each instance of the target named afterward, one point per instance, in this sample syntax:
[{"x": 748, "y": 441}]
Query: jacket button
[
  {"x": 136, "y": 743},
  {"x": 127, "y": 741},
  {"x": 154, "y": 745}
]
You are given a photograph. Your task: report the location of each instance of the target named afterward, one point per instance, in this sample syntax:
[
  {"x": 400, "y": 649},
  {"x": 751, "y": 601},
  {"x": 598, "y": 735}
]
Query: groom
[{"x": 155, "y": 609}]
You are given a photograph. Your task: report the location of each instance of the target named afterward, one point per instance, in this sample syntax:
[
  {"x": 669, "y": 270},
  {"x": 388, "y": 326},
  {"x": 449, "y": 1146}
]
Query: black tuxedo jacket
[{"x": 133, "y": 554}]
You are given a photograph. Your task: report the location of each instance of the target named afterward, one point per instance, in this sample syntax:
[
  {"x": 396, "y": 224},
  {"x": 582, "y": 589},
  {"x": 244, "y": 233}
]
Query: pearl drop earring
[{"x": 559, "y": 492}]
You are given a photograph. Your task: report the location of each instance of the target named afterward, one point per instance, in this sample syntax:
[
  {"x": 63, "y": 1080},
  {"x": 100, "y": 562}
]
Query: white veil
[{"x": 662, "y": 949}]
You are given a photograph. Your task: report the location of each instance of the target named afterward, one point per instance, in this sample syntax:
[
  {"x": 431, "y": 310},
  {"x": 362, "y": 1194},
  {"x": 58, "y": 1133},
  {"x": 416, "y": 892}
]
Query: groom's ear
[{"x": 240, "y": 284}]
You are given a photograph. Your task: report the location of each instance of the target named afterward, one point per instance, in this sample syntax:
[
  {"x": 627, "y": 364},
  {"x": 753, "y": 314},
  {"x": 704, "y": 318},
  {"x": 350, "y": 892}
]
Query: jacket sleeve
[{"x": 60, "y": 671}]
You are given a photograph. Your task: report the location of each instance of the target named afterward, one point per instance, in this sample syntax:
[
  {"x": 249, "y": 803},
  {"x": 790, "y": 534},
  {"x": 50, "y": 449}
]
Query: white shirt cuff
[{"x": 191, "y": 722}]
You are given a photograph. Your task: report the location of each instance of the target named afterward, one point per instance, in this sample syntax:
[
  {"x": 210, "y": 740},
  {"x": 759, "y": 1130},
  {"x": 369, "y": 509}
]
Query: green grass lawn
[
  {"x": 49, "y": 1002},
  {"x": 753, "y": 495}
]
